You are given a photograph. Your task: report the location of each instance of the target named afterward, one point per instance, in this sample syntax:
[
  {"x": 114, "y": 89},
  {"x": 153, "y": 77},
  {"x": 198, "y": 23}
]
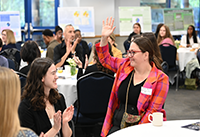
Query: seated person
[
  {"x": 96, "y": 66},
  {"x": 51, "y": 43},
  {"x": 59, "y": 34},
  {"x": 42, "y": 108},
  {"x": 4, "y": 61},
  {"x": 83, "y": 44},
  {"x": 28, "y": 53},
  {"x": 165, "y": 38},
  {"x": 9, "y": 41},
  {"x": 116, "y": 52},
  {"x": 136, "y": 31},
  {"x": 189, "y": 39},
  {"x": 158, "y": 29},
  {"x": 134, "y": 75},
  {"x": 10, "y": 98},
  {"x": 68, "y": 48}
]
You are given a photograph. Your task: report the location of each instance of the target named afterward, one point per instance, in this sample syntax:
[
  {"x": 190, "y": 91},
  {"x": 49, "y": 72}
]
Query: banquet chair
[
  {"x": 168, "y": 54},
  {"x": 22, "y": 78},
  {"x": 165, "y": 66},
  {"x": 11, "y": 64},
  {"x": 93, "y": 92}
]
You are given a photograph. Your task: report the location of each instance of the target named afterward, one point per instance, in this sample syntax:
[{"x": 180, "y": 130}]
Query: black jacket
[
  {"x": 60, "y": 50},
  {"x": 38, "y": 121}
]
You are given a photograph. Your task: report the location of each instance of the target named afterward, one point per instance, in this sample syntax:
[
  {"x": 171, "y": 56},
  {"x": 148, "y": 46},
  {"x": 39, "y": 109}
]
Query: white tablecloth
[
  {"x": 169, "y": 129},
  {"x": 67, "y": 87},
  {"x": 185, "y": 55}
]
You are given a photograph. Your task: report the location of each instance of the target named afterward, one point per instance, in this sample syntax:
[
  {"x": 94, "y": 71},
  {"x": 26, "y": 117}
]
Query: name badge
[{"x": 146, "y": 91}]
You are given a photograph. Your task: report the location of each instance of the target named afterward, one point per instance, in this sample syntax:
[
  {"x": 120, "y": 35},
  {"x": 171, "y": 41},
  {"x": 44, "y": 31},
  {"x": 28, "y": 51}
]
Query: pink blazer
[{"x": 157, "y": 81}]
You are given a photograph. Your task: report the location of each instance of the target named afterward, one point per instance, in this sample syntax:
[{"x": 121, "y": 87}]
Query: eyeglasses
[{"x": 131, "y": 52}]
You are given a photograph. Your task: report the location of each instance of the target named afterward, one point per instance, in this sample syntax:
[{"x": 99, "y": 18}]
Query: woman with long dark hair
[
  {"x": 191, "y": 37},
  {"x": 42, "y": 108}
]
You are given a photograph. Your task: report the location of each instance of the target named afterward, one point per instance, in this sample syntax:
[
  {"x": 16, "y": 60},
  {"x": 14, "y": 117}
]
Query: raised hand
[
  {"x": 86, "y": 61},
  {"x": 78, "y": 62},
  {"x": 108, "y": 28},
  {"x": 57, "y": 121},
  {"x": 68, "y": 114},
  {"x": 68, "y": 46}
]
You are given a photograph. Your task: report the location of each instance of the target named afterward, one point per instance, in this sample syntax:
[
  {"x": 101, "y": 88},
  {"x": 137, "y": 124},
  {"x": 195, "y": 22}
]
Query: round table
[
  {"x": 185, "y": 55},
  {"x": 169, "y": 129},
  {"x": 67, "y": 86}
]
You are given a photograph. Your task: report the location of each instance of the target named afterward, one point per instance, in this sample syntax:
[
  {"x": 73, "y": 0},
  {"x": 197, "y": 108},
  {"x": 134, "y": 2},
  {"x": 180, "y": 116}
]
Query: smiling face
[
  {"x": 69, "y": 33},
  {"x": 162, "y": 32},
  {"x": 50, "y": 78},
  {"x": 135, "y": 55}
]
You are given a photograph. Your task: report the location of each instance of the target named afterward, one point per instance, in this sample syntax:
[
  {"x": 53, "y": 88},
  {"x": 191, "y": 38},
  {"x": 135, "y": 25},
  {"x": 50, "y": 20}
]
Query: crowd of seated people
[{"x": 43, "y": 109}]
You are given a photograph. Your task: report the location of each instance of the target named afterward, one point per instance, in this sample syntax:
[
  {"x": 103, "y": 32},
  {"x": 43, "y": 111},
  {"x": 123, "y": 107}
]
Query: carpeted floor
[{"x": 180, "y": 105}]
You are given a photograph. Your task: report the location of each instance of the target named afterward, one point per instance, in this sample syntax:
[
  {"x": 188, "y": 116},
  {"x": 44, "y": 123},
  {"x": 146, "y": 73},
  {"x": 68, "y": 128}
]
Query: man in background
[
  {"x": 68, "y": 48},
  {"x": 50, "y": 42}
]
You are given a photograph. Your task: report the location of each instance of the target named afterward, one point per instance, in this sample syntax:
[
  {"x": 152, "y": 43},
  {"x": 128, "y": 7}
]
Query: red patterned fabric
[{"x": 157, "y": 81}]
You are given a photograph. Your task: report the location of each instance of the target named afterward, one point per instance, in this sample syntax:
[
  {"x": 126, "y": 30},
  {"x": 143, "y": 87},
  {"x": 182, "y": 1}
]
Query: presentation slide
[
  {"x": 11, "y": 20},
  {"x": 80, "y": 17},
  {"x": 131, "y": 15},
  {"x": 178, "y": 20}
]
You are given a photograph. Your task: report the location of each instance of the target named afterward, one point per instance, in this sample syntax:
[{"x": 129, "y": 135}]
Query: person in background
[
  {"x": 165, "y": 36},
  {"x": 50, "y": 42},
  {"x": 191, "y": 37},
  {"x": 10, "y": 98},
  {"x": 42, "y": 108},
  {"x": 83, "y": 44},
  {"x": 136, "y": 31},
  {"x": 116, "y": 52},
  {"x": 96, "y": 66},
  {"x": 142, "y": 70},
  {"x": 28, "y": 53},
  {"x": 9, "y": 41},
  {"x": 158, "y": 29},
  {"x": 1, "y": 44},
  {"x": 3, "y": 60},
  {"x": 59, "y": 34},
  {"x": 68, "y": 48}
]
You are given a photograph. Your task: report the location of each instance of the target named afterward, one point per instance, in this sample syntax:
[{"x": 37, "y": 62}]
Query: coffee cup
[{"x": 157, "y": 118}]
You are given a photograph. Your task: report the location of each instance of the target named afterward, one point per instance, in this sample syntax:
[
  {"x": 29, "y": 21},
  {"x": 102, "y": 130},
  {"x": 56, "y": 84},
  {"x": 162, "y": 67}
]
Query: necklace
[{"x": 48, "y": 108}]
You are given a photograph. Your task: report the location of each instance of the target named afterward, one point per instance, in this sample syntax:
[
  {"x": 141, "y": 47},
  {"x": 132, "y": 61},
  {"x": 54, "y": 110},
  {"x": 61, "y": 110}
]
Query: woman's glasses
[{"x": 131, "y": 52}]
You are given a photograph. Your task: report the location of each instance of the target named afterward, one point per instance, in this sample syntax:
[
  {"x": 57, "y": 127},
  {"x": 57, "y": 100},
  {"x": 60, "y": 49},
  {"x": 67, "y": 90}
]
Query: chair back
[
  {"x": 11, "y": 64},
  {"x": 168, "y": 54},
  {"x": 93, "y": 94},
  {"x": 22, "y": 78}
]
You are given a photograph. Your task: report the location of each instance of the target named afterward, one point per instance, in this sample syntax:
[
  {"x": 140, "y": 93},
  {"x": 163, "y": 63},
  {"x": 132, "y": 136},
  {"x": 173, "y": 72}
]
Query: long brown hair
[
  {"x": 167, "y": 35},
  {"x": 146, "y": 45},
  {"x": 9, "y": 102},
  {"x": 156, "y": 48},
  {"x": 98, "y": 63},
  {"x": 34, "y": 88}
]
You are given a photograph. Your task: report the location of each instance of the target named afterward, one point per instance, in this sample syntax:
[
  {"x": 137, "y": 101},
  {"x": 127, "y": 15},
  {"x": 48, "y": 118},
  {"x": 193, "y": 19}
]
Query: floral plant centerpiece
[{"x": 72, "y": 64}]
